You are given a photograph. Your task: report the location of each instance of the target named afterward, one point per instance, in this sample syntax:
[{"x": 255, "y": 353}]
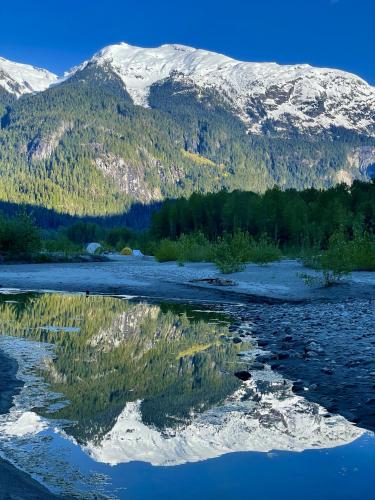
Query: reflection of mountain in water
[
  {"x": 110, "y": 352},
  {"x": 155, "y": 383},
  {"x": 263, "y": 415}
]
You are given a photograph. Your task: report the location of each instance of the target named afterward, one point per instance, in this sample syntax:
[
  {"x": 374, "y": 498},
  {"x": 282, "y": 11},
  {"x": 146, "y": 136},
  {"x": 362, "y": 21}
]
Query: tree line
[{"x": 288, "y": 218}]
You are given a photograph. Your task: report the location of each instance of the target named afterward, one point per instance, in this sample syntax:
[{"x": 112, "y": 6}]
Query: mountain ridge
[
  {"x": 263, "y": 95},
  {"x": 83, "y": 147},
  {"x": 257, "y": 92}
]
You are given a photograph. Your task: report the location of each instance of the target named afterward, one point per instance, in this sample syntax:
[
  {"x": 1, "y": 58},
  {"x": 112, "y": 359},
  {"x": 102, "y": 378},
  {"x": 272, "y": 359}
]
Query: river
[{"x": 129, "y": 398}]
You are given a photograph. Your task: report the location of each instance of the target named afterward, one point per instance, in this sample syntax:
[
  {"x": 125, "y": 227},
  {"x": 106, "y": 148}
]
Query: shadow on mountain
[{"x": 138, "y": 216}]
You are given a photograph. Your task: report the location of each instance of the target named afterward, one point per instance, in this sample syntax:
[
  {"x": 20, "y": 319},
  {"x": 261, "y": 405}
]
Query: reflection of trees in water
[
  {"x": 17, "y": 302},
  {"x": 110, "y": 351}
]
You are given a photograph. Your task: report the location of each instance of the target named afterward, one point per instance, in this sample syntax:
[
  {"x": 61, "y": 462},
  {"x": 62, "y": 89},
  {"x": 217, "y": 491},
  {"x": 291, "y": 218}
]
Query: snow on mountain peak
[
  {"x": 309, "y": 98},
  {"x": 266, "y": 96},
  {"x": 18, "y": 79}
]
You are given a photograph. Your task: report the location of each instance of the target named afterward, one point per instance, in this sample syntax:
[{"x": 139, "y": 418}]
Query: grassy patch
[{"x": 197, "y": 158}]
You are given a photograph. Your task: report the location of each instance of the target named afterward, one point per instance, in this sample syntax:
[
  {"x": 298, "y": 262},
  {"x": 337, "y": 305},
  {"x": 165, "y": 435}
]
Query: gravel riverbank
[
  {"x": 326, "y": 349},
  {"x": 276, "y": 282}
]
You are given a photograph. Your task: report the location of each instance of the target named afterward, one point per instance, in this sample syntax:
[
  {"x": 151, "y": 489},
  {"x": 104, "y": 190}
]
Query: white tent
[
  {"x": 92, "y": 247},
  {"x": 137, "y": 253}
]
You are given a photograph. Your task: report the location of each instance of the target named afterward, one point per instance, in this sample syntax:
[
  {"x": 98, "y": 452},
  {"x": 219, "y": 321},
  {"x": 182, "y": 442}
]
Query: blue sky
[{"x": 58, "y": 34}]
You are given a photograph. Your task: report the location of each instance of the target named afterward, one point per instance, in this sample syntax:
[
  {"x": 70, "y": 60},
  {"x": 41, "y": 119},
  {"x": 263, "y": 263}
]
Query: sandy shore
[{"x": 278, "y": 282}]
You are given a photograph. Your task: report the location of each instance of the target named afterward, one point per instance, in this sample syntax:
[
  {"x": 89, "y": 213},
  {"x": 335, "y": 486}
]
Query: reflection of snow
[
  {"x": 272, "y": 418},
  {"x": 36, "y": 445},
  {"x": 28, "y": 423},
  {"x": 262, "y": 415}
]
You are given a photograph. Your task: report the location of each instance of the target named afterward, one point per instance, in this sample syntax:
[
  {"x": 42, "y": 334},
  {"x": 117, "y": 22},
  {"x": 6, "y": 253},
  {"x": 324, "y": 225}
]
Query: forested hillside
[{"x": 82, "y": 147}]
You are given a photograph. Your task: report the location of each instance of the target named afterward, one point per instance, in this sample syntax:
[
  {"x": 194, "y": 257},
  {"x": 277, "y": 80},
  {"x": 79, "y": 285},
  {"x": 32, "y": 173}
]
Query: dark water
[{"x": 125, "y": 399}]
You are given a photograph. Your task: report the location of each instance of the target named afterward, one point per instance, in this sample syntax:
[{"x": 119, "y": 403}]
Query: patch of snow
[{"x": 27, "y": 423}]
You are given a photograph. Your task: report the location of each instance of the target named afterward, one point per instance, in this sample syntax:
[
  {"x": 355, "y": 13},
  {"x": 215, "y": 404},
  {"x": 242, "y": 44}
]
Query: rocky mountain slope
[
  {"x": 138, "y": 125},
  {"x": 263, "y": 95}
]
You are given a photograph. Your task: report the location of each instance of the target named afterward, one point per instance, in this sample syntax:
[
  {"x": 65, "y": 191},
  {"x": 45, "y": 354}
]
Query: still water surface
[{"x": 126, "y": 399}]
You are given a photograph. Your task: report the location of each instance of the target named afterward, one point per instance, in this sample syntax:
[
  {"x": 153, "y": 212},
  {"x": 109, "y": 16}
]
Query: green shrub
[
  {"x": 337, "y": 257},
  {"x": 43, "y": 258},
  {"x": 60, "y": 243},
  {"x": 334, "y": 263},
  {"x": 263, "y": 251},
  {"x": 362, "y": 252},
  {"x": 188, "y": 248},
  {"x": 166, "y": 251},
  {"x": 232, "y": 252},
  {"x": 226, "y": 259},
  {"x": 193, "y": 248},
  {"x": 344, "y": 256}
]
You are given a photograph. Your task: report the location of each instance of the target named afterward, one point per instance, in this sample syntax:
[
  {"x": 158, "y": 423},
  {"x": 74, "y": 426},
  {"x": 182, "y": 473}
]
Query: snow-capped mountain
[
  {"x": 264, "y": 95},
  {"x": 268, "y": 97},
  {"x": 19, "y": 79},
  {"x": 212, "y": 123}
]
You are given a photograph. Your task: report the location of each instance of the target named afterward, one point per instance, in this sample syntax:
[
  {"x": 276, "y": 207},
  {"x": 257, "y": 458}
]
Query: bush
[
  {"x": 227, "y": 259},
  {"x": 230, "y": 253},
  {"x": 233, "y": 252},
  {"x": 334, "y": 263},
  {"x": 263, "y": 251},
  {"x": 344, "y": 256},
  {"x": 166, "y": 251},
  {"x": 193, "y": 248},
  {"x": 188, "y": 248},
  {"x": 59, "y": 242},
  {"x": 337, "y": 258},
  {"x": 362, "y": 252}
]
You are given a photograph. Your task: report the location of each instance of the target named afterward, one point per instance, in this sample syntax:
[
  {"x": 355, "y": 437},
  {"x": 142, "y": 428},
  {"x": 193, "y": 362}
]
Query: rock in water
[{"x": 243, "y": 375}]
